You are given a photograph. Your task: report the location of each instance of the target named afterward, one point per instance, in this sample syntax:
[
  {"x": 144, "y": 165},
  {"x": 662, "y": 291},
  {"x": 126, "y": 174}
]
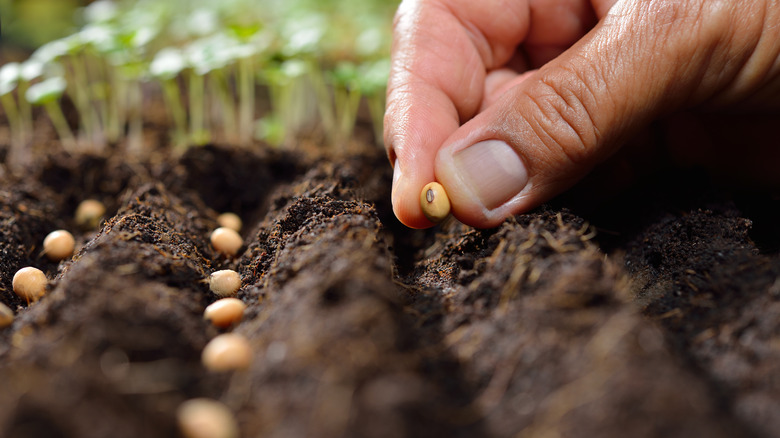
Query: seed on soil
[
  {"x": 230, "y": 220},
  {"x": 225, "y": 283},
  {"x": 59, "y": 245},
  {"x": 88, "y": 214},
  {"x": 225, "y": 312},
  {"x": 206, "y": 418},
  {"x": 6, "y": 316},
  {"x": 30, "y": 283},
  {"x": 226, "y": 241},
  {"x": 434, "y": 202},
  {"x": 227, "y": 352}
]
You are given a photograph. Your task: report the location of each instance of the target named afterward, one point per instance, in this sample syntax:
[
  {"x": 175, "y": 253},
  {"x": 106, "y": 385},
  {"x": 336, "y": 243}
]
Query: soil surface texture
[{"x": 655, "y": 315}]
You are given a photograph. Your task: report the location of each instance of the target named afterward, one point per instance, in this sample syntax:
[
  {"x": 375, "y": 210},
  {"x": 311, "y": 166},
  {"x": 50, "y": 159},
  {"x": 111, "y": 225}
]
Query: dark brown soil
[{"x": 657, "y": 315}]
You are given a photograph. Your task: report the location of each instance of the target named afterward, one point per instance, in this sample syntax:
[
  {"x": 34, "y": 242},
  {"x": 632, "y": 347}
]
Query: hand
[{"x": 507, "y": 103}]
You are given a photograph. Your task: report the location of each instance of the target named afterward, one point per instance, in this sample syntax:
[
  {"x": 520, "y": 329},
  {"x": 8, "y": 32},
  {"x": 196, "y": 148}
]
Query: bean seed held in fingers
[
  {"x": 225, "y": 283},
  {"x": 230, "y": 220},
  {"x": 434, "y": 202},
  {"x": 206, "y": 418},
  {"x": 226, "y": 241},
  {"x": 227, "y": 352},
  {"x": 225, "y": 312},
  {"x": 59, "y": 245},
  {"x": 29, "y": 283},
  {"x": 6, "y": 316}
]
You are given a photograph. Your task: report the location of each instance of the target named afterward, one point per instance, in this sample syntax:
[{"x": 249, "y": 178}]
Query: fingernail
[{"x": 492, "y": 170}]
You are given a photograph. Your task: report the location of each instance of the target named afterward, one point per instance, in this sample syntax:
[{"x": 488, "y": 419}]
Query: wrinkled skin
[{"x": 566, "y": 86}]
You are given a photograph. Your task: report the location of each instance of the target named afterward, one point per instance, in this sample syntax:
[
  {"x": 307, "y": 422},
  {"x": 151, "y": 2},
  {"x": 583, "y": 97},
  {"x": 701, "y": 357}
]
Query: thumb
[{"x": 550, "y": 129}]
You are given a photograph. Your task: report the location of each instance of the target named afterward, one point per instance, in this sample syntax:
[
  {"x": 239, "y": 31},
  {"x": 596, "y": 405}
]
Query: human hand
[{"x": 509, "y": 103}]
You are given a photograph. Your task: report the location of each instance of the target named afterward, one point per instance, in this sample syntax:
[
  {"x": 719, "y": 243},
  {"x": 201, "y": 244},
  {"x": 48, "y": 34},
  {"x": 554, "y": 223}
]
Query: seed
[
  {"x": 225, "y": 312},
  {"x": 226, "y": 241},
  {"x": 88, "y": 214},
  {"x": 58, "y": 245},
  {"x": 225, "y": 283},
  {"x": 434, "y": 202},
  {"x": 230, "y": 220},
  {"x": 6, "y": 316},
  {"x": 227, "y": 352},
  {"x": 29, "y": 283},
  {"x": 206, "y": 418}
]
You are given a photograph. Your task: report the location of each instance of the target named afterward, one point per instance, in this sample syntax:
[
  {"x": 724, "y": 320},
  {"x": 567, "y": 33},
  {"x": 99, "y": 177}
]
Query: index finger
[{"x": 442, "y": 50}]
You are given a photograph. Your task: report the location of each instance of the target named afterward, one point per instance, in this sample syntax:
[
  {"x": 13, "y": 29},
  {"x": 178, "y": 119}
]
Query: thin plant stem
[
  {"x": 172, "y": 95},
  {"x": 61, "y": 125},
  {"x": 246, "y": 85},
  {"x": 25, "y": 113},
  {"x": 198, "y": 134},
  {"x": 135, "y": 138},
  {"x": 324, "y": 101},
  {"x": 221, "y": 88},
  {"x": 81, "y": 95},
  {"x": 16, "y": 154}
]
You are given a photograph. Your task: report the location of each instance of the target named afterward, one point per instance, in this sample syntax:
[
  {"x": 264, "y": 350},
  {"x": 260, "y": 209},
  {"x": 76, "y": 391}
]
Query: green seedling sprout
[
  {"x": 373, "y": 83},
  {"x": 243, "y": 53},
  {"x": 167, "y": 66},
  {"x": 9, "y": 79},
  {"x": 47, "y": 94},
  {"x": 346, "y": 98}
]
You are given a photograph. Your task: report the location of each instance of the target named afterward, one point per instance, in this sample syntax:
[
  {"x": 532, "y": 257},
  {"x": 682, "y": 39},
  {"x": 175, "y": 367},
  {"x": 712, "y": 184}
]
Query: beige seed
[
  {"x": 230, "y": 220},
  {"x": 434, "y": 202},
  {"x": 225, "y": 283},
  {"x": 206, "y": 418},
  {"x": 226, "y": 241},
  {"x": 29, "y": 283},
  {"x": 225, "y": 312},
  {"x": 59, "y": 245},
  {"x": 89, "y": 213},
  {"x": 227, "y": 352},
  {"x": 6, "y": 316}
]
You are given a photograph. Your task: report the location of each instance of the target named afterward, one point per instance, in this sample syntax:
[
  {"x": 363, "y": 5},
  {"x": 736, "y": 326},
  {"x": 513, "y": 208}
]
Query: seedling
[
  {"x": 434, "y": 202},
  {"x": 210, "y": 63},
  {"x": 225, "y": 312},
  {"x": 225, "y": 283},
  {"x": 59, "y": 245},
  {"x": 29, "y": 284},
  {"x": 230, "y": 220},
  {"x": 227, "y": 352},
  {"x": 226, "y": 241},
  {"x": 47, "y": 93},
  {"x": 89, "y": 213},
  {"x": 6, "y": 316},
  {"x": 206, "y": 418}
]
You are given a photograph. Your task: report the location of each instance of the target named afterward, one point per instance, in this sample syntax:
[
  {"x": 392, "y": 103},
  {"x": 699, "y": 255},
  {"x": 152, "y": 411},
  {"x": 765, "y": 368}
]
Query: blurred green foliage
[{"x": 26, "y": 24}]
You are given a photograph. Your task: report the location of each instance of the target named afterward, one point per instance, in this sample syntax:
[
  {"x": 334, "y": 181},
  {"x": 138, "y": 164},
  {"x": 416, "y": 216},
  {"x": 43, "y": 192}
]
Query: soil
[{"x": 656, "y": 315}]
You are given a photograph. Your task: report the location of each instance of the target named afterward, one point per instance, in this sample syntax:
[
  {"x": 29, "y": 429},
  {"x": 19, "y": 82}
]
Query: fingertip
[{"x": 405, "y": 199}]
